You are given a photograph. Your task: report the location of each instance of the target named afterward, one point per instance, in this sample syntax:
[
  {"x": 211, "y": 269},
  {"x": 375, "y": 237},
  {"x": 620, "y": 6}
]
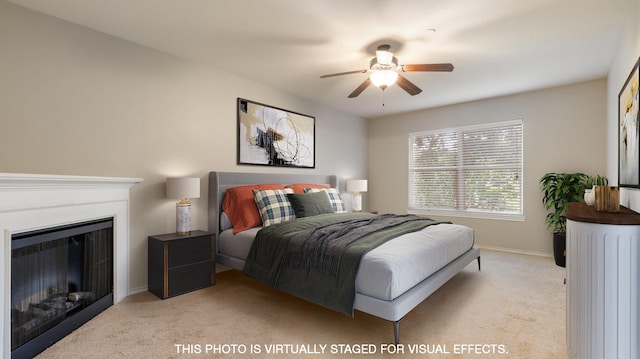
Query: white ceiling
[{"x": 498, "y": 47}]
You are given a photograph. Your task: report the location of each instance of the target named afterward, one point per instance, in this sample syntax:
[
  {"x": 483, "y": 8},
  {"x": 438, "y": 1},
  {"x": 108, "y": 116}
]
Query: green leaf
[{"x": 558, "y": 189}]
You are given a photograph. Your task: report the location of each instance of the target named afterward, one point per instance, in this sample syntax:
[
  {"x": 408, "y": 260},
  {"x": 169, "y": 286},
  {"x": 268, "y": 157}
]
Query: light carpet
[{"x": 513, "y": 308}]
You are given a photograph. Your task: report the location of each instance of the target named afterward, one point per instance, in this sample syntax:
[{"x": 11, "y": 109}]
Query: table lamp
[
  {"x": 356, "y": 187},
  {"x": 183, "y": 188}
]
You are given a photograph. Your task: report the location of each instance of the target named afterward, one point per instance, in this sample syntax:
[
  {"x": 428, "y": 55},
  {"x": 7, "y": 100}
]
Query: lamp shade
[
  {"x": 183, "y": 187},
  {"x": 357, "y": 185}
]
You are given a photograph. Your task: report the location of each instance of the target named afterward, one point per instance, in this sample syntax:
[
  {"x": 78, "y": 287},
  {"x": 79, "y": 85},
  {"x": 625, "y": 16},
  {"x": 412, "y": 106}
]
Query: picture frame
[
  {"x": 628, "y": 135},
  {"x": 272, "y": 136}
]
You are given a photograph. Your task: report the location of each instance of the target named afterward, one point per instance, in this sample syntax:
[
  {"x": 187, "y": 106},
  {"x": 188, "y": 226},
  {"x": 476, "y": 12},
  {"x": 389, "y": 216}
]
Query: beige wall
[
  {"x": 75, "y": 101},
  {"x": 564, "y": 131},
  {"x": 624, "y": 59}
]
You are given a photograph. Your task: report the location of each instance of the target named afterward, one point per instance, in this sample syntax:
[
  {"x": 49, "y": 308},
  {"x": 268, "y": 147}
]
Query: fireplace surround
[{"x": 30, "y": 202}]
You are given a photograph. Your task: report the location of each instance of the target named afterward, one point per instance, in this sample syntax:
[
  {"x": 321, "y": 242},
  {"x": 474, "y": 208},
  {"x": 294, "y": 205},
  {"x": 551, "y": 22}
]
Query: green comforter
[{"x": 317, "y": 258}]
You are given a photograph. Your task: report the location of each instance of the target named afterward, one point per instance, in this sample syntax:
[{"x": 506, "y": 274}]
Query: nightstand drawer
[
  {"x": 187, "y": 278},
  {"x": 189, "y": 250}
]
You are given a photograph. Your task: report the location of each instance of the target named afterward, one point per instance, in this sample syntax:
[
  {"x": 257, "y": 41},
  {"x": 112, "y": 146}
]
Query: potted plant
[
  {"x": 590, "y": 183},
  {"x": 558, "y": 189}
]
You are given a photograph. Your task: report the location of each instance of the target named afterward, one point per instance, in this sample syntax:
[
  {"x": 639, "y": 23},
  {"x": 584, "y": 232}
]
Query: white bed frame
[{"x": 393, "y": 310}]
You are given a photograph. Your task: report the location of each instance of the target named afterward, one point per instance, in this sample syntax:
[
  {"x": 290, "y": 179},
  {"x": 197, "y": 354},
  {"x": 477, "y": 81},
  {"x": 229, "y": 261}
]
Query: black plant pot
[{"x": 560, "y": 248}]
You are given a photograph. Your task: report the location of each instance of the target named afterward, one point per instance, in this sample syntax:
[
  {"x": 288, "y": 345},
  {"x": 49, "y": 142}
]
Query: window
[{"x": 467, "y": 171}]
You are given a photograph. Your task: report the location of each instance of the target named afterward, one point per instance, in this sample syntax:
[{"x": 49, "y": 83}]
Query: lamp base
[
  {"x": 183, "y": 219},
  {"x": 356, "y": 205}
]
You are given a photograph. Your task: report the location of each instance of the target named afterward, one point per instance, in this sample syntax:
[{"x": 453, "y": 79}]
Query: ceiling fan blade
[
  {"x": 344, "y": 73},
  {"x": 408, "y": 85},
  {"x": 360, "y": 88},
  {"x": 428, "y": 67}
]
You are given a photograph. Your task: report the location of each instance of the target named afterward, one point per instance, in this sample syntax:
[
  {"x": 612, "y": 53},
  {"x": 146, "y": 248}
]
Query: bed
[{"x": 382, "y": 287}]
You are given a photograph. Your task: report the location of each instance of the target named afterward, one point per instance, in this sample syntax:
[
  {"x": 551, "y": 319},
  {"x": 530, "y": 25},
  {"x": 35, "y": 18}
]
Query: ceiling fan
[{"x": 384, "y": 68}]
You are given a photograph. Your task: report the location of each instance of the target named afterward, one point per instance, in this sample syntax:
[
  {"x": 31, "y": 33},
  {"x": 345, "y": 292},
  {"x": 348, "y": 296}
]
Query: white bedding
[
  {"x": 398, "y": 265},
  {"x": 393, "y": 267}
]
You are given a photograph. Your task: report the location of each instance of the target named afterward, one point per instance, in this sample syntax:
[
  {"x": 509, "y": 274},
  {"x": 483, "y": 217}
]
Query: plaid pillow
[
  {"x": 273, "y": 205},
  {"x": 334, "y": 198},
  {"x": 240, "y": 206}
]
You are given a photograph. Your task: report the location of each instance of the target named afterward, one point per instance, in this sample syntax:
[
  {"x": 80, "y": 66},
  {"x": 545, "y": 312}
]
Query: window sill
[{"x": 479, "y": 215}]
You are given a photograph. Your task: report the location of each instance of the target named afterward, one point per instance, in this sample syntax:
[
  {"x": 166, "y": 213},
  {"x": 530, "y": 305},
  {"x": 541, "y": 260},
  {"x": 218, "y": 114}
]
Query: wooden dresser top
[{"x": 581, "y": 212}]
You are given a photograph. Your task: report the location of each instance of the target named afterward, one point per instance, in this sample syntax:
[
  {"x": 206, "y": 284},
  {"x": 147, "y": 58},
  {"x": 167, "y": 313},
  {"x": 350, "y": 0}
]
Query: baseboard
[
  {"x": 138, "y": 290},
  {"x": 222, "y": 268},
  {"x": 516, "y": 251}
]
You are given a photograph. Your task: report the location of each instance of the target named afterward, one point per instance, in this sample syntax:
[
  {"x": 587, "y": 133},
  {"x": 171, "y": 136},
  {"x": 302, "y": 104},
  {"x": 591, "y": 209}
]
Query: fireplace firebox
[{"x": 60, "y": 278}]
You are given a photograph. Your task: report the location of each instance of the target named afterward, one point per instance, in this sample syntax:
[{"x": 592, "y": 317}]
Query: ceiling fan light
[
  {"x": 384, "y": 57},
  {"x": 384, "y": 78}
]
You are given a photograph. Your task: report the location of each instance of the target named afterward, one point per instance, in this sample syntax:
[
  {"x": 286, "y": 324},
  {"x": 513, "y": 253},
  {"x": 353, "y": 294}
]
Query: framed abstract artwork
[
  {"x": 628, "y": 136},
  {"x": 271, "y": 136}
]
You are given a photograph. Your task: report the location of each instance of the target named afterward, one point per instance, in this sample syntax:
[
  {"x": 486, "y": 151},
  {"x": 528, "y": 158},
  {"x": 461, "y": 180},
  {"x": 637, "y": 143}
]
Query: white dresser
[{"x": 603, "y": 276}]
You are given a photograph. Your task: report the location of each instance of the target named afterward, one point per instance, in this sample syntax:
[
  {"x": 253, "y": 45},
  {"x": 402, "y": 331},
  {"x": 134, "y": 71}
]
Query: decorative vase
[{"x": 590, "y": 196}]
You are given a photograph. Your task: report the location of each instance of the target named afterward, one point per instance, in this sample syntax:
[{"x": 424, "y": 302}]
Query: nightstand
[{"x": 180, "y": 264}]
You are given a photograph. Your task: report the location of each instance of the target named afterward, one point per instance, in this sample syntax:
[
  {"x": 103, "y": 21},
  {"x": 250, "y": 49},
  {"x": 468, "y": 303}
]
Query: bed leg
[
  {"x": 479, "y": 263},
  {"x": 396, "y": 332}
]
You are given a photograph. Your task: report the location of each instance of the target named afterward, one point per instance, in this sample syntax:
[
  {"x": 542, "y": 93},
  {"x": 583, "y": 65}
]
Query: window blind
[{"x": 470, "y": 169}]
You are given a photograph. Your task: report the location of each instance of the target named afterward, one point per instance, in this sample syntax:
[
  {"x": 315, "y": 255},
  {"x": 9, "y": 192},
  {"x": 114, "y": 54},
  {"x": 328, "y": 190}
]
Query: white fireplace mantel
[{"x": 32, "y": 201}]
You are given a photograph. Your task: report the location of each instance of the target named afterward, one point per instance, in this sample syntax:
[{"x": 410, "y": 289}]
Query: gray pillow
[{"x": 310, "y": 204}]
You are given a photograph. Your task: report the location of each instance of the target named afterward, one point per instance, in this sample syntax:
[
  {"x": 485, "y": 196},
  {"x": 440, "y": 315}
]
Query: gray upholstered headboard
[{"x": 219, "y": 182}]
